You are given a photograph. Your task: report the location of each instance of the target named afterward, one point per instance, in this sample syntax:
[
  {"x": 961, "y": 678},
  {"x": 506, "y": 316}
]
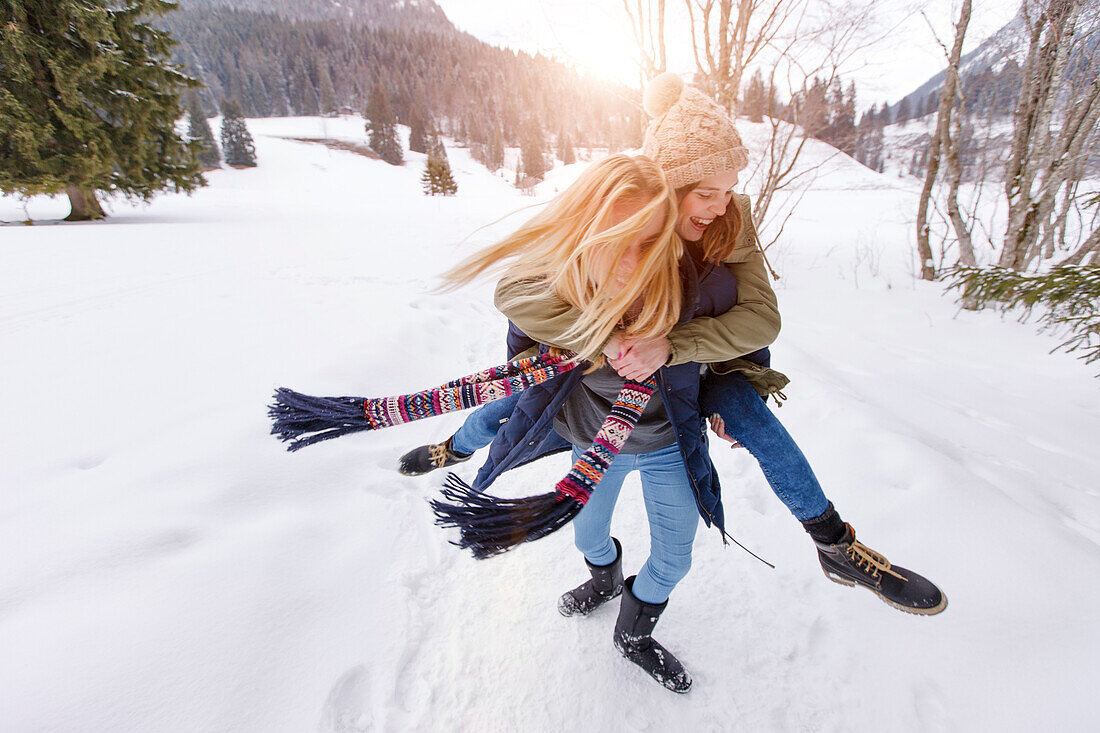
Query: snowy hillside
[{"x": 169, "y": 567}]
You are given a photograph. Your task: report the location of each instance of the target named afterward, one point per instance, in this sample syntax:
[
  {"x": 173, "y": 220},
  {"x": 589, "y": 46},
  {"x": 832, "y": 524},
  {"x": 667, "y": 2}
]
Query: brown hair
[{"x": 720, "y": 237}]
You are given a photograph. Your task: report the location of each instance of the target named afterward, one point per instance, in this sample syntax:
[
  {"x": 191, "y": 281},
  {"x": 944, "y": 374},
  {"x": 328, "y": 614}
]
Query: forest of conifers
[{"x": 275, "y": 66}]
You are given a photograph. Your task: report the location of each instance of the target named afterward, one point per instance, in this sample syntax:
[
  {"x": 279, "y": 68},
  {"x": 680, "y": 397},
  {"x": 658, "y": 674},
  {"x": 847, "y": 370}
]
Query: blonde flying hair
[{"x": 574, "y": 247}]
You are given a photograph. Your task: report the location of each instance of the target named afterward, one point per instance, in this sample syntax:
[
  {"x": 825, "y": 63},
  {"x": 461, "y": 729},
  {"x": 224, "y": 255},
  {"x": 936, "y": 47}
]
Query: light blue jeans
[
  {"x": 482, "y": 424},
  {"x": 673, "y": 519}
]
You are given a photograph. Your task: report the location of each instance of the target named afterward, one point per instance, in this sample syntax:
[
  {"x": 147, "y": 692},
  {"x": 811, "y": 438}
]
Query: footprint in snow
[
  {"x": 1048, "y": 446},
  {"x": 816, "y": 635},
  {"x": 929, "y": 707},
  {"x": 86, "y": 463},
  {"x": 346, "y": 705}
]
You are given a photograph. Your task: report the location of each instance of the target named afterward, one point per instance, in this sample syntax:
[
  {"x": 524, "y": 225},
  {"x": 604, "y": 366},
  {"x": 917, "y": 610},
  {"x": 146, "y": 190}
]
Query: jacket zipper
[{"x": 694, "y": 487}]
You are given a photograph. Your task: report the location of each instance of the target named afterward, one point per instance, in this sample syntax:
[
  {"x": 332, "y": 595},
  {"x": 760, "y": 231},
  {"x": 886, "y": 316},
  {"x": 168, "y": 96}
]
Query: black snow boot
[
  {"x": 852, "y": 563},
  {"x": 430, "y": 457},
  {"x": 633, "y": 639},
  {"x": 606, "y": 583}
]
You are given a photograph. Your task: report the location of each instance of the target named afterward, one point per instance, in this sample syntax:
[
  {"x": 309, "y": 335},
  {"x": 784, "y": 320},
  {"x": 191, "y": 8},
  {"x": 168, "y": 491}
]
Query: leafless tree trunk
[
  {"x": 954, "y": 178},
  {"x": 1044, "y": 162},
  {"x": 84, "y": 204},
  {"x": 943, "y": 132},
  {"x": 1091, "y": 246},
  {"x": 952, "y": 134},
  {"x": 648, "y": 27},
  {"x": 726, "y": 41}
]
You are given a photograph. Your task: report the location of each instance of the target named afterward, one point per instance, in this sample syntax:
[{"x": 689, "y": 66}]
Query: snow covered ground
[{"x": 168, "y": 567}]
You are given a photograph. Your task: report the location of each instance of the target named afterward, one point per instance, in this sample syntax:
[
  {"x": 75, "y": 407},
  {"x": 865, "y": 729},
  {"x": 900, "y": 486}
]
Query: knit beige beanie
[{"x": 690, "y": 136}]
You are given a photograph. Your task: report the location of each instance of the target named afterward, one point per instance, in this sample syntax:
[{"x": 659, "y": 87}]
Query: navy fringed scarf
[
  {"x": 302, "y": 420},
  {"x": 488, "y": 525}
]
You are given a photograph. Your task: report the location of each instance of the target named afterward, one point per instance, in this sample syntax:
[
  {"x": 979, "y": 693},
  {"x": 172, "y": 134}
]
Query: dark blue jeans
[{"x": 750, "y": 422}]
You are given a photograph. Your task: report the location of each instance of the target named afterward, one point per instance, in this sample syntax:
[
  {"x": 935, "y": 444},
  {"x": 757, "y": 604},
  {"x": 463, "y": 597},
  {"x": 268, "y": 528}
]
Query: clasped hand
[{"x": 637, "y": 358}]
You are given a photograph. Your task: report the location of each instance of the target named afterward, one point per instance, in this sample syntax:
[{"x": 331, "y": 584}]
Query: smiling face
[{"x": 703, "y": 204}]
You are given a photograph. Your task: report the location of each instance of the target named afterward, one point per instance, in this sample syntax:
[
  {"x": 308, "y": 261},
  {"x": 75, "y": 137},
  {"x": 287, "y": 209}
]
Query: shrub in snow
[
  {"x": 382, "y": 126},
  {"x": 198, "y": 128},
  {"x": 237, "y": 144},
  {"x": 437, "y": 178}
]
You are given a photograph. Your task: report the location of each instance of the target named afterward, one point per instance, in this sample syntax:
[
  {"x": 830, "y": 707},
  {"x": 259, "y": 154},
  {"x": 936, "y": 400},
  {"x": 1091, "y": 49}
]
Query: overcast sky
[{"x": 595, "y": 35}]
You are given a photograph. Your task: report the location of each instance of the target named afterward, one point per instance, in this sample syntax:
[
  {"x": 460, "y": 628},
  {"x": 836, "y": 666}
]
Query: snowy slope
[{"x": 168, "y": 567}]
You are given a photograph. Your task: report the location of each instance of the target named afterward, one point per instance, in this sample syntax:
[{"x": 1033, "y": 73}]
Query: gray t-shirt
[{"x": 582, "y": 415}]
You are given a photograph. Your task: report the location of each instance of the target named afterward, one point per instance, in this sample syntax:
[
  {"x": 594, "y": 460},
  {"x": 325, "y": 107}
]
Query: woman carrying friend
[
  {"x": 700, "y": 152},
  {"x": 606, "y": 246}
]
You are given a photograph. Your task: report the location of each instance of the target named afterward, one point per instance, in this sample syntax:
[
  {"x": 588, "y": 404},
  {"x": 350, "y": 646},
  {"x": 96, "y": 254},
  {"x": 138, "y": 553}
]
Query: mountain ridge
[
  {"x": 990, "y": 73},
  {"x": 398, "y": 14}
]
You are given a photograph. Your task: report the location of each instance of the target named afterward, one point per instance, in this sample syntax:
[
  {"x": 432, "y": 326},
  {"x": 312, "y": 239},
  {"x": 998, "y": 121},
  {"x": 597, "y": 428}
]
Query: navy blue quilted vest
[{"x": 529, "y": 435}]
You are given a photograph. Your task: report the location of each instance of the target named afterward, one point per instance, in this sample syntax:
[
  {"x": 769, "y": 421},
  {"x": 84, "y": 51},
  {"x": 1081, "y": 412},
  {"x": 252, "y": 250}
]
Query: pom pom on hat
[
  {"x": 661, "y": 93},
  {"x": 690, "y": 137}
]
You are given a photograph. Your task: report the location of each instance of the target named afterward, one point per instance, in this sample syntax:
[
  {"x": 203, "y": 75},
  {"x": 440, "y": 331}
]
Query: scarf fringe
[
  {"x": 295, "y": 416},
  {"x": 489, "y": 525}
]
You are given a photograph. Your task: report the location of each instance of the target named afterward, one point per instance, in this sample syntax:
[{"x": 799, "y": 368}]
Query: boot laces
[
  {"x": 865, "y": 557},
  {"x": 437, "y": 453}
]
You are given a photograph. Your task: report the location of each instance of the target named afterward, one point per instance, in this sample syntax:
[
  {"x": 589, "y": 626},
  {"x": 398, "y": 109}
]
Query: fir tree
[
  {"x": 198, "y": 128},
  {"x": 902, "y": 113},
  {"x": 237, "y": 144},
  {"x": 303, "y": 95},
  {"x": 382, "y": 126},
  {"x": 915, "y": 167},
  {"x": 435, "y": 145},
  {"x": 275, "y": 82},
  {"x": 491, "y": 153},
  {"x": 844, "y": 121},
  {"x": 565, "y": 149},
  {"x": 531, "y": 150},
  {"x": 869, "y": 140},
  {"x": 814, "y": 112},
  {"x": 931, "y": 103},
  {"x": 437, "y": 177},
  {"x": 89, "y": 102},
  {"x": 494, "y": 150},
  {"x": 327, "y": 93},
  {"x": 754, "y": 99},
  {"x": 418, "y": 133}
]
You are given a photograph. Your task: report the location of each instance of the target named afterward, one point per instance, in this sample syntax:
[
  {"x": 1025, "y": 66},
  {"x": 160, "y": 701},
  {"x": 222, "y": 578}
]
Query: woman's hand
[
  {"x": 614, "y": 348},
  {"x": 719, "y": 427},
  {"x": 640, "y": 357}
]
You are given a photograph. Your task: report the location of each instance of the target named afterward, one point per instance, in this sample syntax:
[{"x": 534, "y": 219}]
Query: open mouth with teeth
[{"x": 700, "y": 223}]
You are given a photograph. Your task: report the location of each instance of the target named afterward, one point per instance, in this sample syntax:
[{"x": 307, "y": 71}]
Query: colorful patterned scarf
[
  {"x": 302, "y": 420},
  {"x": 488, "y": 525}
]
